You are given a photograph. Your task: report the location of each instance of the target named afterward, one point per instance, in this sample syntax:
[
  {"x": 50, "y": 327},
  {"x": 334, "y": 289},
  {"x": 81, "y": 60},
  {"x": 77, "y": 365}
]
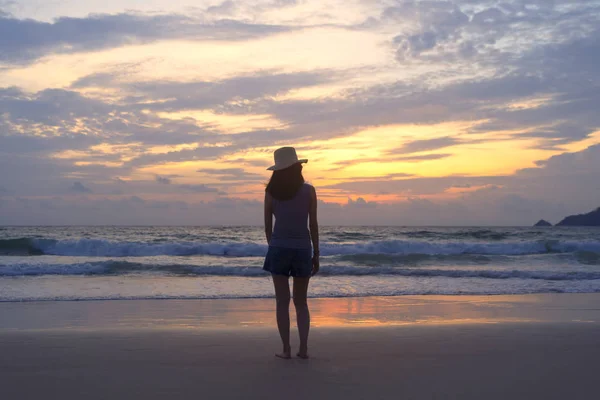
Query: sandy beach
[{"x": 414, "y": 347}]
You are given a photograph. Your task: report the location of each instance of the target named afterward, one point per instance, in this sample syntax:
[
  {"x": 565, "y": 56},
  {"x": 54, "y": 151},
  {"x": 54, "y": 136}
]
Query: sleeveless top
[{"x": 291, "y": 221}]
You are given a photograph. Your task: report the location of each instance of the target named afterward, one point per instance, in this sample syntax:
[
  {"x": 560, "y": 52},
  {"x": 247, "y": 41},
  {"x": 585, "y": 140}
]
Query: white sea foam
[
  {"x": 105, "y": 248},
  {"x": 116, "y": 267}
]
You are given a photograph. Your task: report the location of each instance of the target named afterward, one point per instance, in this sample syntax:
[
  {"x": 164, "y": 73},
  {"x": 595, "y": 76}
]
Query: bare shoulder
[
  {"x": 310, "y": 189},
  {"x": 311, "y": 192}
]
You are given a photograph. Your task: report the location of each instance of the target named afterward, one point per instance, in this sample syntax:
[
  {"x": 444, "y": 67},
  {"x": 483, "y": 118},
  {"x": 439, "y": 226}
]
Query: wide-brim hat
[{"x": 284, "y": 158}]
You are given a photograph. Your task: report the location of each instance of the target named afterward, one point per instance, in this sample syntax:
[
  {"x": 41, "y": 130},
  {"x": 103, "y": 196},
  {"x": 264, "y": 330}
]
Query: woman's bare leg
[
  {"x": 302, "y": 314},
  {"x": 282, "y": 296}
]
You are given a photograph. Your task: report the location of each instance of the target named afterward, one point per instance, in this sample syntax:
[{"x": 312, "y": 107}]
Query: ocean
[{"x": 87, "y": 263}]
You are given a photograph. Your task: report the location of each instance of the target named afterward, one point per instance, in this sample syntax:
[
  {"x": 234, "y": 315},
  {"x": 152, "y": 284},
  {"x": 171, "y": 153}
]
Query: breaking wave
[
  {"x": 116, "y": 267},
  {"x": 106, "y": 248}
]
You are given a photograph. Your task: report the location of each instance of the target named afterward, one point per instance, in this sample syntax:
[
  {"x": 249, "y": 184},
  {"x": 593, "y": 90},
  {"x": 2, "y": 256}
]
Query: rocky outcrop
[
  {"x": 543, "y": 222},
  {"x": 589, "y": 219}
]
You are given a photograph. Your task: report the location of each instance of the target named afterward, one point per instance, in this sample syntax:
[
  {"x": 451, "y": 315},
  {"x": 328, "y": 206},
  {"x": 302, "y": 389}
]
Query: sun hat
[{"x": 284, "y": 158}]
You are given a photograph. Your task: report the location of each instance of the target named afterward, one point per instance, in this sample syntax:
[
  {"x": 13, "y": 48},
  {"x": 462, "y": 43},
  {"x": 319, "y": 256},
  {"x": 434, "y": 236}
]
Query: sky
[{"x": 155, "y": 112}]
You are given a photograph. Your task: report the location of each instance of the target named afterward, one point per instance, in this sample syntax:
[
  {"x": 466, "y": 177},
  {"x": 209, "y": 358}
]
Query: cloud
[
  {"x": 232, "y": 174},
  {"x": 53, "y": 115},
  {"x": 566, "y": 114},
  {"x": 226, "y": 7},
  {"x": 425, "y": 157},
  {"x": 439, "y": 22},
  {"x": 200, "y": 188},
  {"x": 413, "y": 186},
  {"x": 36, "y": 173},
  {"x": 360, "y": 203},
  {"x": 564, "y": 167},
  {"x": 519, "y": 71},
  {"x": 45, "y": 122},
  {"x": 78, "y": 187},
  {"x": 4, "y": 6},
  {"x": 418, "y": 146},
  {"x": 197, "y": 95},
  {"x": 197, "y": 188},
  {"x": 31, "y": 39},
  {"x": 230, "y": 8},
  {"x": 410, "y": 158},
  {"x": 482, "y": 99},
  {"x": 462, "y": 31},
  {"x": 199, "y": 153},
  {"x": 52, "y": 107},
  {"x": 163, "y": 180},
  {"x": 131, "y": 210}
]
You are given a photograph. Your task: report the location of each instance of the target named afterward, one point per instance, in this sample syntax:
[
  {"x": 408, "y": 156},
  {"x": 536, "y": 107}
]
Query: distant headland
[{"x": 590, "y": 219}]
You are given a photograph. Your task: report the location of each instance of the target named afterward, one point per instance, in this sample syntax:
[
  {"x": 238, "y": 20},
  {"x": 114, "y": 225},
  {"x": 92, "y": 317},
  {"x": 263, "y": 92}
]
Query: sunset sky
[{"x": 461, "y": 112}]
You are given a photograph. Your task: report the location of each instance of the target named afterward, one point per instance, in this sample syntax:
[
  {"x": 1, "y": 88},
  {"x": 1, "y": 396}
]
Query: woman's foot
[
  {"x": 302, "y": 353},
  {"x": 286, "y": 354}
]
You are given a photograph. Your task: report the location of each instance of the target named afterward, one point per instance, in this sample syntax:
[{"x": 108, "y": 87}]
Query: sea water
[{"x": 85, "y": 263}]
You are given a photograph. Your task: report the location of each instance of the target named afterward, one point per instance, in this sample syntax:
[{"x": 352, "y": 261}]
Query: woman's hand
[{"x": 315, "y": 263}]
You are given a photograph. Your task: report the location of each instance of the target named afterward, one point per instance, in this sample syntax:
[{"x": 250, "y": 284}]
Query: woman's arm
[
  {"x": 313, "y": 225},
  {"x": 268, "y": 216}
]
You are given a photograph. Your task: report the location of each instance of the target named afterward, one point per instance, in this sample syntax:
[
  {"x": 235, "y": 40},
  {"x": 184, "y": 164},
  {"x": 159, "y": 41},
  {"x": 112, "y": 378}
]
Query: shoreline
[{"x": 270, "y": 296}]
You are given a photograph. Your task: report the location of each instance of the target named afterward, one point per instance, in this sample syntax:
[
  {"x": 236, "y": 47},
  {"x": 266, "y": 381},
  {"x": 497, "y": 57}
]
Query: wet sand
[{"x": 417, "y": 347}]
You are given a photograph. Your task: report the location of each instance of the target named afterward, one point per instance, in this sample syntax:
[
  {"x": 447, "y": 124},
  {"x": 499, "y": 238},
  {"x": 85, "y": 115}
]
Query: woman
[{"x": 293, "y": 203}]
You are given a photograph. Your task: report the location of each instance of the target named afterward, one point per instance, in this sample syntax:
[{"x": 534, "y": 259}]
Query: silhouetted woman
[{"x": 294, "y": 203}]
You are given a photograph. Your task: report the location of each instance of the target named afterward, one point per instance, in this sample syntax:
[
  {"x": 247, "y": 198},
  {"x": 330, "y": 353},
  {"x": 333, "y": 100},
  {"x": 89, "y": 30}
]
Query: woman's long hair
[{"x": 285, "y": 183}]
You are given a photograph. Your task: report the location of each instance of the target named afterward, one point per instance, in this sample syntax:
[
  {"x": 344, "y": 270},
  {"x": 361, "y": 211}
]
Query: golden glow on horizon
[
  {"x": 375, "y": 146},
  {"x": 360, "y": 152},
  {"x": 475, "y": 159},
  {"x": 490, "y": 158}
]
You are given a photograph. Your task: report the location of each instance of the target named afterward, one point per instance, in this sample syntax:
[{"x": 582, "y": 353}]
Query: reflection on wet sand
[{"x": 331, "y": 313}]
